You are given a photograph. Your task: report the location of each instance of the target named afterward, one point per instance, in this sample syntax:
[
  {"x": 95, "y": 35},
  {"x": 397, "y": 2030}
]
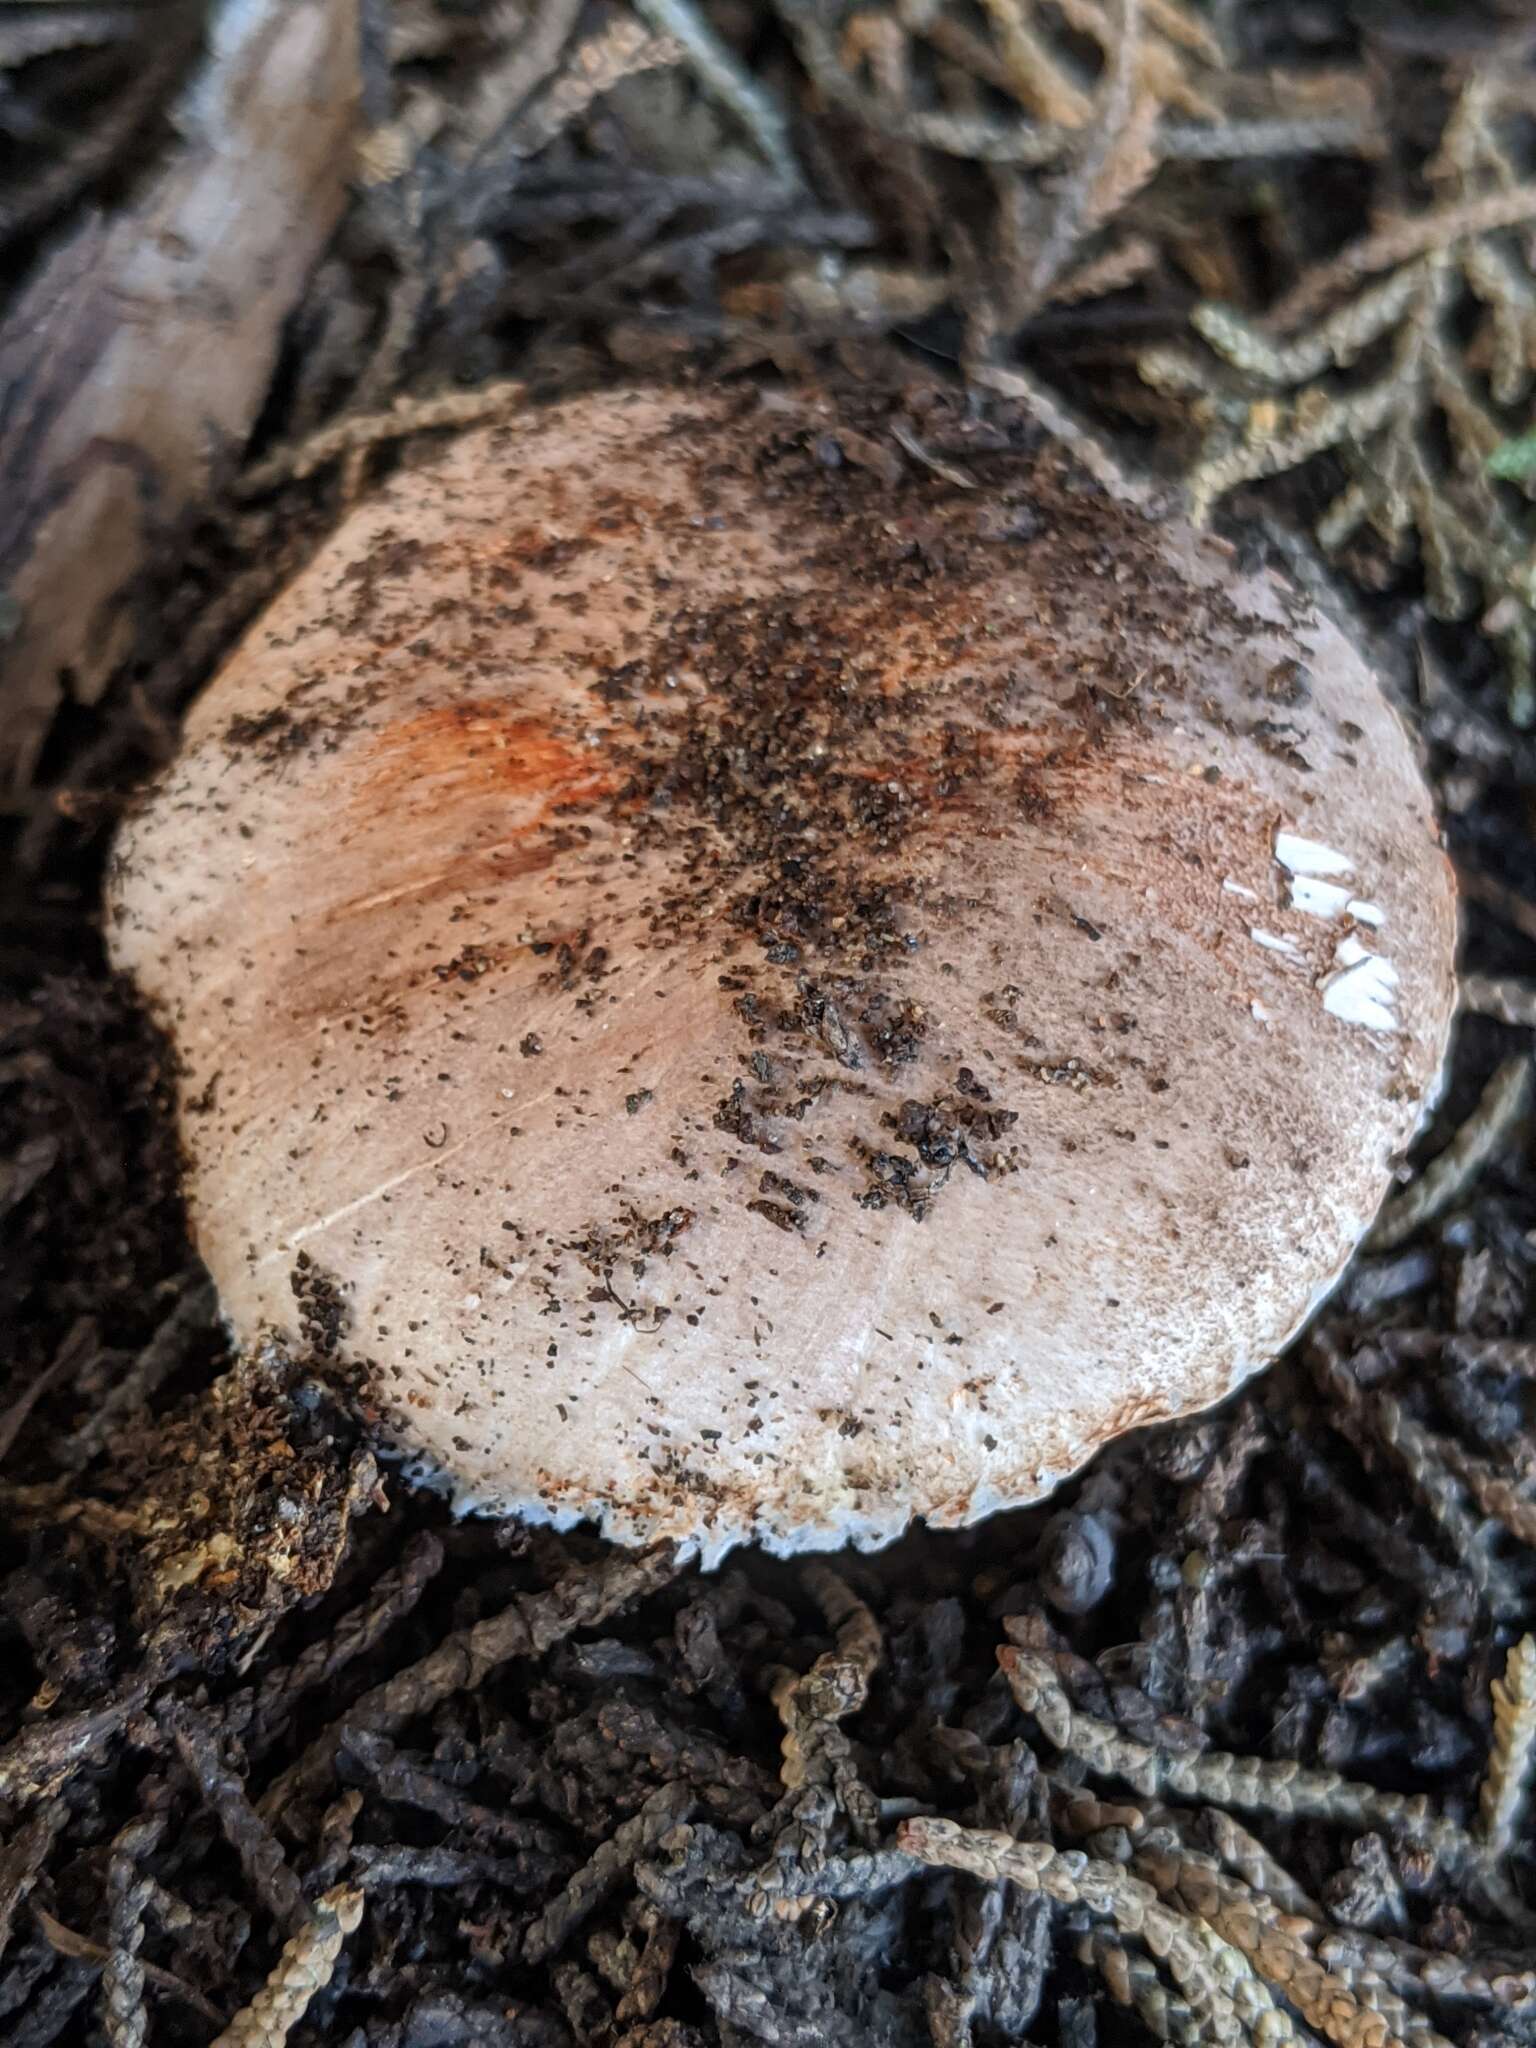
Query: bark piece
[{"x": 136, "y": 364}]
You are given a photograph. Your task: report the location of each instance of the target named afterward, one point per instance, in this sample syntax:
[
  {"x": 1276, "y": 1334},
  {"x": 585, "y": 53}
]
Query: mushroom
[{"x": 757, "y": 968}]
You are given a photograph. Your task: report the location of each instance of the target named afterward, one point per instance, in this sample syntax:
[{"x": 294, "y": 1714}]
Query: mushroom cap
[{"x": 750, "y": 990}]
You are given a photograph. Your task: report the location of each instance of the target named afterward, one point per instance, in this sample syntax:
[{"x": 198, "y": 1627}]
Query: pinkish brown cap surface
[{"x": 773, "y": 996}]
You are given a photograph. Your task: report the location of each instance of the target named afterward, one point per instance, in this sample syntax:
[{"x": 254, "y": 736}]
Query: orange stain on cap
[
  {"x": 480, "y": 750},
  {"x": 455, "y": 799}
]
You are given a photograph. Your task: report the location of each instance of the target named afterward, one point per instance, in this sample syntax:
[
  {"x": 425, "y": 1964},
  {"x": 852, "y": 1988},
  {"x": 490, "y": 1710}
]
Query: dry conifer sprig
[
  {"x": 304, "y": 1968},
  {"x": 1408, "y": 358},
  {"x": 1056, "y": 116},
  {"x": 485, "y": 152},
  {"x": 1234, "y": 1948},
  {"x": 1018, "y": 81},
  {"x": 1502, "y": 1800}
]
